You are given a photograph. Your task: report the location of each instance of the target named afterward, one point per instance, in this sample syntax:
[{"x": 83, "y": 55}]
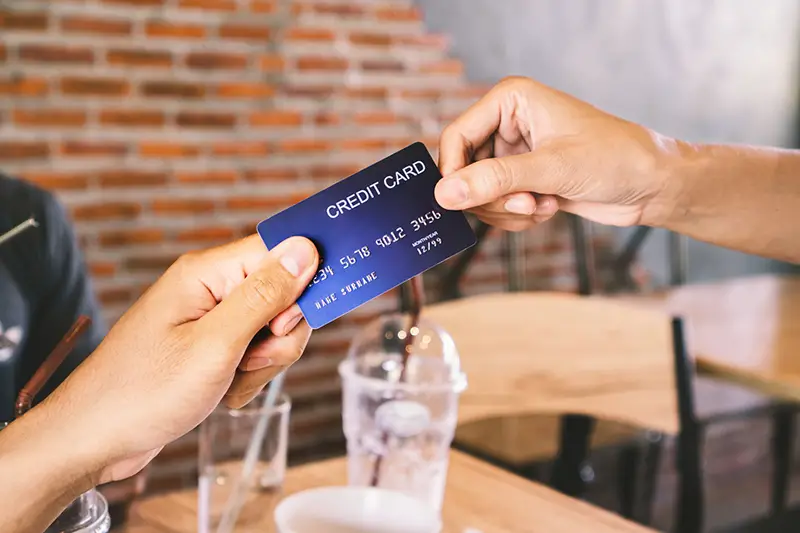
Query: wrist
[
  {"x": 672, "y": 163},
  {"x": 45, "y": 440}
]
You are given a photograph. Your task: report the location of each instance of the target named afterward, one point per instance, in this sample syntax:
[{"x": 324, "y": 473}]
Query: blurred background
[{"x": 170, "y": 125}]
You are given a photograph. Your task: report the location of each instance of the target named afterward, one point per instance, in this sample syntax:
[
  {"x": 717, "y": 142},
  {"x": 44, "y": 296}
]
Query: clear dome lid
[{"x": 395, "y": 348}]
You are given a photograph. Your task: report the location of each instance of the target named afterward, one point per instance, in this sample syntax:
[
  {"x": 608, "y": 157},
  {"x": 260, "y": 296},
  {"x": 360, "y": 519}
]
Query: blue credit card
[{"x": 374, "y": 231}]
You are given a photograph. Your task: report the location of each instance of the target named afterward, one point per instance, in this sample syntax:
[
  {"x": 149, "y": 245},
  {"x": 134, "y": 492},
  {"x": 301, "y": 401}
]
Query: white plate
[{"x": 354, "y": 510}]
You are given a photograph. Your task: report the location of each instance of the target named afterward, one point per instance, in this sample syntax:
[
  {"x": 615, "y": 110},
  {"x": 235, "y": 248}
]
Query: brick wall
[{"x": 170, "y": 125}]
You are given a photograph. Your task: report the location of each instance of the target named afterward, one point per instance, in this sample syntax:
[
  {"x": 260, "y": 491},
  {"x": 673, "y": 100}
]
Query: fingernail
[
  {"x": 545, "y": 204},
  {"x": 519, "y": 206},
  {"x": 256, "y": 363},
  {"x": 293, "y": 323},
  {"x": 453, "y": 191},
  {"x": 296, "y": 256}
]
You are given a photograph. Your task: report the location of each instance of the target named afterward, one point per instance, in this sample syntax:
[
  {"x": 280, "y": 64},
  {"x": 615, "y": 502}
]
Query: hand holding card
[{"x": 374, "y": 231}]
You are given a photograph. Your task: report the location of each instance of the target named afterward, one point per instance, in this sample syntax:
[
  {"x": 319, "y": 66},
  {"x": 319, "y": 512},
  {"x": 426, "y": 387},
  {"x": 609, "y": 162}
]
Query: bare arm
[
  {"x": 43, "y": 470},
  {"x": 744, "y": 198}
]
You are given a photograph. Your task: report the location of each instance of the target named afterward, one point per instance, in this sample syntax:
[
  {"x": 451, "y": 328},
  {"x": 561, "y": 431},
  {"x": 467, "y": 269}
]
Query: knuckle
[
  {"x": 499, "y": 176},
  {"x": 265, "y": 290},
  {"x": 186, "y": 262}
]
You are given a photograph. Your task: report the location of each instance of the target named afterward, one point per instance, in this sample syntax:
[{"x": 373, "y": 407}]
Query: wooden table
[
  {"x": 745, "y": 330},
  {"x": 478, "y": 496}
]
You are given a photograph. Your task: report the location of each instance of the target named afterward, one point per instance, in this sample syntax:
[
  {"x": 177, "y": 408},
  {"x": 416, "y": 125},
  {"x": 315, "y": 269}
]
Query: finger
[
  {"x": 462, "y": 138},
  {"x": 520, "y": 203},
  {"x": 285, "y": 322},
  {"x": 277, "y": 351},
  {"x": 488, "y": 180},
  {"x": 275, "y": 286},
  {"x": 247, "y": 385}
]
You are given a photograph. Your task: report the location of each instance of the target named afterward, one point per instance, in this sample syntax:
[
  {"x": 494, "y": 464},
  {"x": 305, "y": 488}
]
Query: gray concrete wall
[{"x": 705, "y": 70}]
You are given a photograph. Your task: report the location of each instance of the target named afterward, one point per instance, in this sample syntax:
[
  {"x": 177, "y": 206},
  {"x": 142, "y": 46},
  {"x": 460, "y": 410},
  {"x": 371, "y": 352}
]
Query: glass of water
[
  {"x": 401, "y": 383},
  {"x": 225, "y": 437}
]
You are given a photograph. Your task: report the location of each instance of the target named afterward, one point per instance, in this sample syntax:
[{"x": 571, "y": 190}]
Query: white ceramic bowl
[{"x": 354, "y": 510}]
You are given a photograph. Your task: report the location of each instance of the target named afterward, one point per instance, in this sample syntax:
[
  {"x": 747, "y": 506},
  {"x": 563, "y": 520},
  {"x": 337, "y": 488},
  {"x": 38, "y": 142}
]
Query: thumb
[
  {"x": 488, "y": 180},
  {"x": 275, "y": 286}
]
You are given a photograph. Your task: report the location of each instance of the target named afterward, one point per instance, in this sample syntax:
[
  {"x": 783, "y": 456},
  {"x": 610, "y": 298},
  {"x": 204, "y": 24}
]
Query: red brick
[
  {"x": 398, "y": 14},
  {"x": 140, "y": 3},
  {"x": 192, "y": 119},
  {"x": 151, "y": 263},
  {"x": 241, "y": 149},
  {"x": 322, "y": 63},
  {"x": 93, "y": 148},
  {"x": 182, "y": 206},
  {"x": 363, "y": 144},
  {"x": 262, "y": 6},
  {"x": 102, "y": 269},
  {"x": 209, "y": 234},
  {"x": 421, "y": 94},
  {"x": 271, "y": 63},
  {"x": 371, "y": 39},
  {"x": 173, "y": 30},
  {"x": 245, "y": 32},
  {"x": 213, "y": 5},
  {"x": 304, "y": 145},
  {"x": 429, "y": 40},
  {"x": 376, "y": 117},
  {"x": 115, "y": 295},
  {"x": 23, "y": 150},
  {"x": 272, "y": 174},
  {"x": 23, "y": 86},
  {"x": 41, "y": 53},
  {"x": 107, "y": 210},
  {"x": 341, "y": 10},
  {"x": 131, "y": 178},
  {"x": 245, "y": 90},
  {"x": 165, "y": 150},
  {"x": 332, "y": 171},
  {"x": 56, "y": 181},
  {"x": 216, "y": 61},
  {"x": 86, "y": 86},
  {"x": 327, "y": 119},
  {"x": 446, "y": 66},
  {"x": 96, "y": 25},
  {"x": 22, "y": 21},
  {"x": 173, "y": 89},
  {"x": 65, "y": 118},
  {"x": 308, "y": 91},
  {"x": 372, "y": 93},
  {"x": 276, "y": 118},
  {"x": 245, "y": 203},
  {"x": 131, "y": 236},
  {"x": 383, "y": 65},
  {"x": 210, "y": 177},
  {"x": 132, "y": 118},
  {"x": 309, "y": 34},
  {"x": 140, "y": 58}
]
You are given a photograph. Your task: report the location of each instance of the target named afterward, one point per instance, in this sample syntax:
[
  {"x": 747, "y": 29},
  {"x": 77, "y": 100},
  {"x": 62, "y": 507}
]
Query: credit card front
[{"x": 374, "y": 231}]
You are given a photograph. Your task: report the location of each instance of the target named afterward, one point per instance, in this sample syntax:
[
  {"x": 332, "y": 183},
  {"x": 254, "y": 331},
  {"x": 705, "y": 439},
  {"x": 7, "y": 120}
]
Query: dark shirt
[{"x": 44, "y": 288}]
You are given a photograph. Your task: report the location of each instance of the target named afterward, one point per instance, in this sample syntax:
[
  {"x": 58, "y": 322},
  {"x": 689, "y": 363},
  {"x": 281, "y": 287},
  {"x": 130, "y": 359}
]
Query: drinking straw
[
  {"x": 19, "y": 228},
  {"x": 236, "y": 500},
  {"x": 417, "y": 301},
  {"x": 50, "y": 365}
]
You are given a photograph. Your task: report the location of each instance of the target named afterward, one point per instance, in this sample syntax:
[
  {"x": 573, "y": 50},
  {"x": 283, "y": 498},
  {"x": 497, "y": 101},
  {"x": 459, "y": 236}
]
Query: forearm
[
  {"x": 43, "y": 471},
  {"x": 743, "y": 198}
]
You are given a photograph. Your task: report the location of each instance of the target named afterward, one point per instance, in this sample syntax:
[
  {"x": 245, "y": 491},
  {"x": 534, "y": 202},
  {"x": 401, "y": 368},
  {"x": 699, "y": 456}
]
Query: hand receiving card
[{"x": 374, "y": 231}]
